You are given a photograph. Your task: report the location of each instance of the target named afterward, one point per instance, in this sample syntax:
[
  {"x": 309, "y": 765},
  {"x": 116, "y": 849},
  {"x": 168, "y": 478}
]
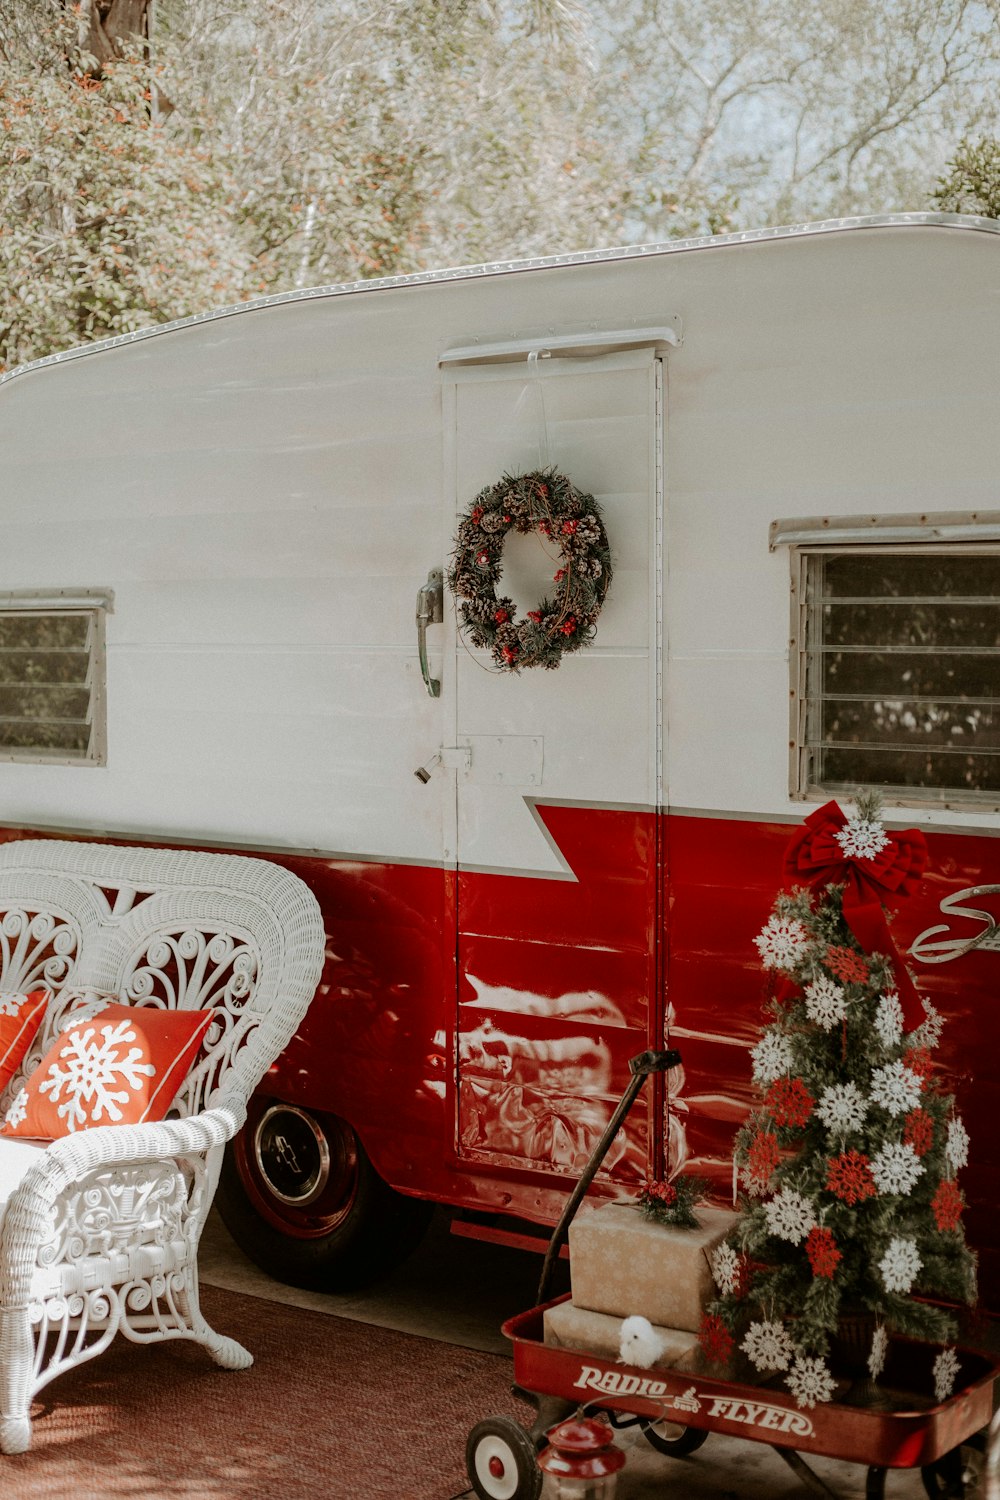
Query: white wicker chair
[{"x": 99, "y": 1231}]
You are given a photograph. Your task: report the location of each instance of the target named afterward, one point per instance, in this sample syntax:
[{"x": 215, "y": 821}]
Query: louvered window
[
  {"x": 898, "y": 673},
  {"x": 52, "y": 704}
]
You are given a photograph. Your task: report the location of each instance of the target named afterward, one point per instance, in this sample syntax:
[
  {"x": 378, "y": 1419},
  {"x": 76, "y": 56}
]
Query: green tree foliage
[
  {"x": 972, "y": 183},
  {"x": 108, "y": 220},
  {"x": 234, "y": 147}
]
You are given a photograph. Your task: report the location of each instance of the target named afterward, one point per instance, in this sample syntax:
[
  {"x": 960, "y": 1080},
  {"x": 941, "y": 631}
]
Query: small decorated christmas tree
[{"x": 848, "y": 1164}]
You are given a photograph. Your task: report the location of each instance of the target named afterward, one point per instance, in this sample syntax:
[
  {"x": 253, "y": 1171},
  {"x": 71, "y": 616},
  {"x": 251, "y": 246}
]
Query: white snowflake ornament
[
  {"x": 889, "y": 1019},
  {"x": 956, "y": 1147},
  {"x": 789, "y": 1216},
  {"x": 810, "y": 1381},
  {"x": 928, "y": 1033},
  {"x": 772, "y": 1057},
  {"x": 896, "y": 1168},
  {"x": 946, "y": 1368},
  {"x": 825, "y": 1003},
  {"x": 782, "y": 943},
  {"x": 842, "y": 1107},
  {"x": 768, "y": 1346},
  {"x": 879, "y": 1349},
  {"x": 900, "y": 1265},
  {"x": 862, "y": 838},
  {"x": 726, "y": 1269},
  {"x": 897, "y": 1088}
]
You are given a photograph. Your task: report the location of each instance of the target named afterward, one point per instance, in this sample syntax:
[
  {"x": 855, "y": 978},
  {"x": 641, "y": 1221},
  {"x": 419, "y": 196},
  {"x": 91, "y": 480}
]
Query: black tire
[
  {"x": 959, "y": 1473},
  {"x": 500, "y": 1460},
  {"x": 673, "y": 1440},
  {"x": 301, "y": 1198}
]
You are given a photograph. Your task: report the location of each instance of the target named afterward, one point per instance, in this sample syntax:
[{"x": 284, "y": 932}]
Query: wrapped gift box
[
  {"x": 570, "y": 1327},
  {"x": 622, "y": 1263}
]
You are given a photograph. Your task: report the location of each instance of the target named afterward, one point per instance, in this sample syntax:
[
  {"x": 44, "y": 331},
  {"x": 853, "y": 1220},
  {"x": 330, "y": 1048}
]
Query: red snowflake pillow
[
  {"x": 119, "y": 1067},
  {"x": 20, "y": 1018}
]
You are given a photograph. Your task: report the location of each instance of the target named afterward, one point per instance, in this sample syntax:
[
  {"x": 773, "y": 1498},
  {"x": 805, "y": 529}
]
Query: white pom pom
[{"x": 641, "y": 1345}]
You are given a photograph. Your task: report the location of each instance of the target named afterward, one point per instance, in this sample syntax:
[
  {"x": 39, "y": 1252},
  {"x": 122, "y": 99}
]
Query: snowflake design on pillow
[
  {"x": 10, "y": 1003},
  {"x": 85, "y": 1011},
  {"x": 18, "y": 1109},
  {"x": 91, "y": 1071},
  {"x": 862, "y": 838}
]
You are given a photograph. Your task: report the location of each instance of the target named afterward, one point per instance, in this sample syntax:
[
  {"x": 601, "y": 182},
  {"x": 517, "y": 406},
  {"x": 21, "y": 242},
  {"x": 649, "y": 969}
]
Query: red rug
[{"x": 331, "y": 1410}]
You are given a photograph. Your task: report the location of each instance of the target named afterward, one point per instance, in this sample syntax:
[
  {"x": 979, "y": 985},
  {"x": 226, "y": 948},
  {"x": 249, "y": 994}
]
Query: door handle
[{"x": 430, "y": 611}]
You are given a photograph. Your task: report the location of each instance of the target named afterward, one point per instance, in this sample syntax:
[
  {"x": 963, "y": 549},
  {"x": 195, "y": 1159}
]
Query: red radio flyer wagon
[{"x": 904, "y": 1427}]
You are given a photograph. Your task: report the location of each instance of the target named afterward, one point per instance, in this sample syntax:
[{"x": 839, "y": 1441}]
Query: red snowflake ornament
[
  {"x": 789, "y": 1102},
  {"x": 849, "y": 966},
  {"x": 763, "y": 1156},
  {"x": 849, "y": 1177},
  {"x": 715, "y": 1339},
  {"x": 821, "y": 1248},
  {"x": 919, "y": 1131},
  {"x": 947, "y": 1204}
]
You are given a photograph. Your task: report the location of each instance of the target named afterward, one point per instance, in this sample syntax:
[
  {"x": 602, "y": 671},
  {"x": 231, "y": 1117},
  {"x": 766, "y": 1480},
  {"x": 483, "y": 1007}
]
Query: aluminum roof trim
[{"x": 534, "y": 263}]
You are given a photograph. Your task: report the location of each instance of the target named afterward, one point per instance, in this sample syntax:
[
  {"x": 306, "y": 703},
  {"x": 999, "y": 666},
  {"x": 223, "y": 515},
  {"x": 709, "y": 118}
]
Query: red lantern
[{"x": 582, "y": 1461}]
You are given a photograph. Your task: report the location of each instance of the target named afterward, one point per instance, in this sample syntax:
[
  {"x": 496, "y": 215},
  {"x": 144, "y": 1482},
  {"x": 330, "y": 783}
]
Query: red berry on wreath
[
  {"x": 483, "y": 558},
  {"x": 558, "y": 577},
  {"x": 501, "y": 616},
  {"x": 568, "y": 626},
  {"x": 477, "y": 515},
  {"x": 510, "y": 653},
  {"x": 536, "y": 615}
]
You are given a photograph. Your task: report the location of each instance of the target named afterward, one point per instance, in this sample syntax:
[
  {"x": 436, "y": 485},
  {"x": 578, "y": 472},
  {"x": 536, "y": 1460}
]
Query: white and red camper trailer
[{"x": 214, "y": 534}]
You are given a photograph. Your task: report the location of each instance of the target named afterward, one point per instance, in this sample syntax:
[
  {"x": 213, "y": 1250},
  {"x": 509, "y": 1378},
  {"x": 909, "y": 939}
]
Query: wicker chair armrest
[{"x": 69, "y": 1160}]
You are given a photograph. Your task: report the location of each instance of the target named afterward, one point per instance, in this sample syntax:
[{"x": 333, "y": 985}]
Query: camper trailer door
[{"x": 558, "y": 775}]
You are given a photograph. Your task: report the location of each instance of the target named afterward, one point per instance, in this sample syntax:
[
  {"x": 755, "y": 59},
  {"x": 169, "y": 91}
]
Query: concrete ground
[{"x": 460, "y": 1291}]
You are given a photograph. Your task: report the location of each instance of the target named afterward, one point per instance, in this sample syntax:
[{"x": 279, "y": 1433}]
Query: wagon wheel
[
  {"x": 672, "y": 1439},
  {"x": 500, "y": 1459},
  {"x": 958, "y": 1473}
]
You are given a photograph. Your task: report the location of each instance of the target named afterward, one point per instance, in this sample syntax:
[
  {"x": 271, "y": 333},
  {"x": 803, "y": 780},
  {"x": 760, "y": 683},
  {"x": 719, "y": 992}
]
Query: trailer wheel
[
  {"x": 500, "y": 1460},
  {"x": 958, "y": 1473},
  {"x": 672, "y": 1439},
  {"x": 301, "y": 1198}
]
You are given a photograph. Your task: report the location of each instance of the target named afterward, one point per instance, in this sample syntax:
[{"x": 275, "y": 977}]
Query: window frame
[
  {"x": 801, "y": 788},
  {"x": 97, "y": 604}
]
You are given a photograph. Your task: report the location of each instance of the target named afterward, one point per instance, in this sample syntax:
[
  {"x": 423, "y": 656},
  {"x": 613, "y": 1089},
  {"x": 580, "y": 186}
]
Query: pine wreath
[{"x": 543, "y": 501}]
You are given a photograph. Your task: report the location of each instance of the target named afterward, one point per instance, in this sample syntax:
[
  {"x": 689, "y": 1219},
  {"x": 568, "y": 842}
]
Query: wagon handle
[{"x": 640, "y": 1067}]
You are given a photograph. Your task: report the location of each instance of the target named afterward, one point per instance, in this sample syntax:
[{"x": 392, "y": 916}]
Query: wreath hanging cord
[{"x": 547, "y": 502}]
